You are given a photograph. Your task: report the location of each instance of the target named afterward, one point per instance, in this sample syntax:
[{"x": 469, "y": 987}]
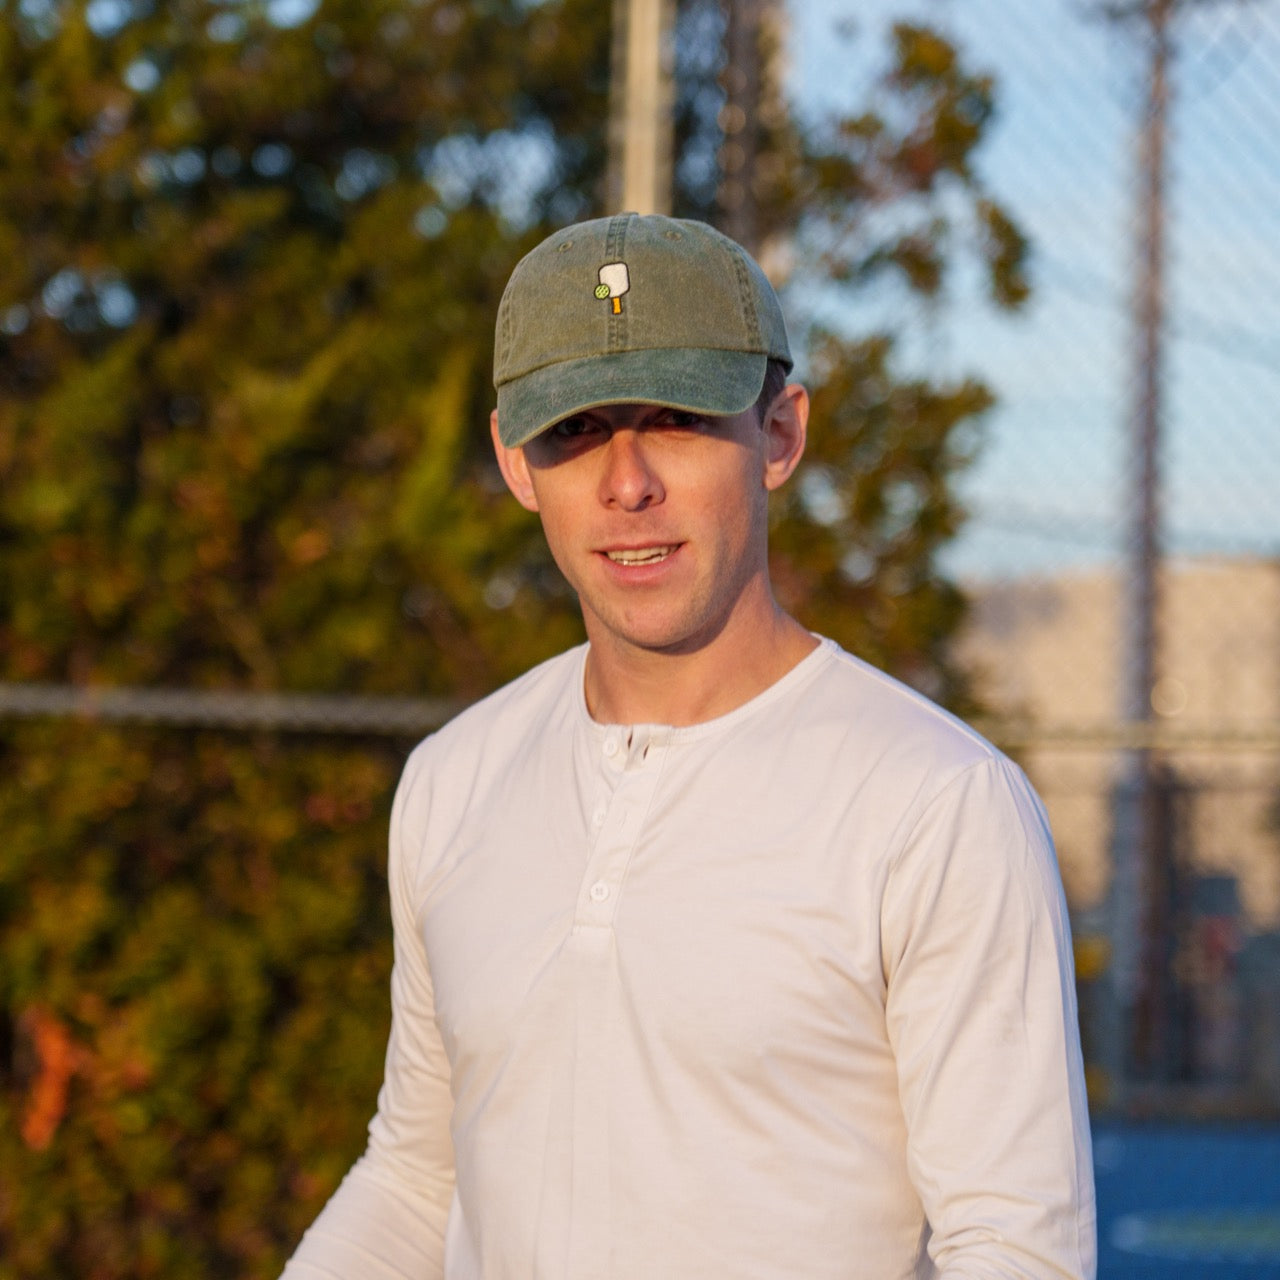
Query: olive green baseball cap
[{"x": 633, "y": 309}]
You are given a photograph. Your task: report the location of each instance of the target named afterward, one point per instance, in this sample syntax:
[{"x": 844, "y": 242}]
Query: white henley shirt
[{"x": 786, "y": 995}]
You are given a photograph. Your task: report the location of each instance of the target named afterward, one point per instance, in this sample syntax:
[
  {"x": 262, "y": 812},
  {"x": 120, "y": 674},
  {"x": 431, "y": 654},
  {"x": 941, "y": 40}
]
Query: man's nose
[{"x": 630, "y": 479}]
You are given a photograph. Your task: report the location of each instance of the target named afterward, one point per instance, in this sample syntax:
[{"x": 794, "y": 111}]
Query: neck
[{"x": 627, "y": 684}]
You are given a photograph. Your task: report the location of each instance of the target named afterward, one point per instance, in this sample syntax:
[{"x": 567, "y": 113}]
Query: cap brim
[{"x": 700, "y": 380}]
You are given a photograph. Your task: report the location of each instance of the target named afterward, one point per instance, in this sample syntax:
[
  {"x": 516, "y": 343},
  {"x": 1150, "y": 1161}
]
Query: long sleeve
[
  {"x": 387, "y": 1219},
  {"x": 982, "y": 1018}
]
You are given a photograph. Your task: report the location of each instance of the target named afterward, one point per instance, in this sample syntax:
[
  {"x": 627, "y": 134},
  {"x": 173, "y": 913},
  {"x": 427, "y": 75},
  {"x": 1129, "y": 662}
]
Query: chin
[
  {"x": 654, "y": 630},
  {"x": 668, "y": 640}
]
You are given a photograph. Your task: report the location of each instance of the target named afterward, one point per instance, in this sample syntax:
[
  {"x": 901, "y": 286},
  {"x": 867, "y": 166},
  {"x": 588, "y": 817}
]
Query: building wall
[{"x": 1047, "y": 655}]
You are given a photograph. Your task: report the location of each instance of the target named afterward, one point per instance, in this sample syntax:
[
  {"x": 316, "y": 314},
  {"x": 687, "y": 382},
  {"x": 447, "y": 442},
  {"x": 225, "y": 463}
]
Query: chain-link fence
[
  {"x": 1124, "y": 533},
  {"x": 1123, "y": 552}
]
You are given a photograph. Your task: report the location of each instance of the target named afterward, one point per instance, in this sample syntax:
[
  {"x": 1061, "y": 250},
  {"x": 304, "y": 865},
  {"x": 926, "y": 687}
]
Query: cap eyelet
[
  {"x": 672, "y": 235},
  {"x": 565, "y": 247}
]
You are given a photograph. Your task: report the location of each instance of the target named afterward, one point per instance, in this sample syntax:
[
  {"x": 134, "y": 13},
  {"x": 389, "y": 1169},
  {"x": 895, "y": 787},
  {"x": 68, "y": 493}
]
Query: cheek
[
  {"x": 561, "y": 530},
  {"x": 739, "y": 511}
]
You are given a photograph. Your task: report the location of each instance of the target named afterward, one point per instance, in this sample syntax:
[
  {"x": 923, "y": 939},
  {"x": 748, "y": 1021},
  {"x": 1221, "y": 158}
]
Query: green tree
[{"x": 249, "y": 259}]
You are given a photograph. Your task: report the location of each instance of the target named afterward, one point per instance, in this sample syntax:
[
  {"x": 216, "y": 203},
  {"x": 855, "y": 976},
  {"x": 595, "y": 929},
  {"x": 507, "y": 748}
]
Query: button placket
[{"x": 617, "y": 821}]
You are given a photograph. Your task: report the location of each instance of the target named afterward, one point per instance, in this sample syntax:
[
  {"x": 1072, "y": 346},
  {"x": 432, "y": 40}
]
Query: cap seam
[
  {"x": 615, "y": 243},
  {"x": 750, "y": 315},
  {"x": 504, "y": 318}
]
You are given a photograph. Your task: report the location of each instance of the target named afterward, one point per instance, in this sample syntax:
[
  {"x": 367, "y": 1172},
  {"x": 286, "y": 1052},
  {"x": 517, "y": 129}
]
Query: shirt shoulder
[
  {"x": 469, "y": 758},
  {"x": 856, "y": 753},
  {"x": 947, "y": 801},
  {"x": 882, "y": 719},
  {"x": 517, "y": 710}
]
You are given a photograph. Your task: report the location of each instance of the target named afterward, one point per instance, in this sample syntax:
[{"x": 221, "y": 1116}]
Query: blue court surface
[{"x": 1176, "y": 1202}]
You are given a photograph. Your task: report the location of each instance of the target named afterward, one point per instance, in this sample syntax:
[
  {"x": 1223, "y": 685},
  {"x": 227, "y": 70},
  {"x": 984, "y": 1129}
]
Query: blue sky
[{"x": 1050, "y": 488}]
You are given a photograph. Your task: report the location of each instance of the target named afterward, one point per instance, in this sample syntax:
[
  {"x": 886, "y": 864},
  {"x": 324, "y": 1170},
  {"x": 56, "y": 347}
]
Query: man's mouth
[{"x": 640, "y": 555}]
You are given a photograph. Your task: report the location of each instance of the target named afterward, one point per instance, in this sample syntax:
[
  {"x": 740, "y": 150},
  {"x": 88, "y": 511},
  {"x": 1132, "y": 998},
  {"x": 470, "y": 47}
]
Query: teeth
[{"x": 645, "y": 555}]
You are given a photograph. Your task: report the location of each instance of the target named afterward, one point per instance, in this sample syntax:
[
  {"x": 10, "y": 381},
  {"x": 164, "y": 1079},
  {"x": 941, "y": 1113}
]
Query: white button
[
  {"x": 599, "y": 891},
  {"x": 599, "y": 816},
  {"x": 611, "y": 745}
]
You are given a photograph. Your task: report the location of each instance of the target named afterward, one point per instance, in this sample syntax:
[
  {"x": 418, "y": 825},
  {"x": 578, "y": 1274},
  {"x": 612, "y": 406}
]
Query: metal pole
[
  {"x": 1150, "y": 306},
  {"x": 1139, "y": 880},
  {"x": 1155, "y": 852},
  {"x": 739, "y": 121},
  {"x": 641, "y": 141}
]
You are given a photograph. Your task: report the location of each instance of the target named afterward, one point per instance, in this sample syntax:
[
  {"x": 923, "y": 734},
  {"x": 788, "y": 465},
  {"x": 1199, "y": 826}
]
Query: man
[{"x": 718, "y": 954}]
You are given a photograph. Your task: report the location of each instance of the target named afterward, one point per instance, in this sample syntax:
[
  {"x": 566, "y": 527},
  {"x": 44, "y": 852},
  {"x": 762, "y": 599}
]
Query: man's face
[{"x": 658, "y": 517}]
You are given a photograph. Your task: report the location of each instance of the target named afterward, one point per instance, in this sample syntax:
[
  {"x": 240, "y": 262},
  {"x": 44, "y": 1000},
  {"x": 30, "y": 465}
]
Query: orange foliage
[{"x": 59, "y": 1059}]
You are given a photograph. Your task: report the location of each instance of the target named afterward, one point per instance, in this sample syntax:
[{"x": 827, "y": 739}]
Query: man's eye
[
  {"x": 680, "y": 418},
  {"x": 572, "y": 428}
]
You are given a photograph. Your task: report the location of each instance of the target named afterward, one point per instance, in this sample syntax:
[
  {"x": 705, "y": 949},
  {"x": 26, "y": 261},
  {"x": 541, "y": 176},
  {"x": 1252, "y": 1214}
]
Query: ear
[
  {"x": 514, "y": 467},
  {"x": 785, "y": 426}
]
